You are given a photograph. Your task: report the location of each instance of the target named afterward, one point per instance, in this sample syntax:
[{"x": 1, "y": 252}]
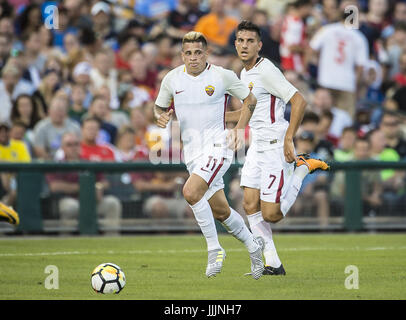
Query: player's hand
[
  {"x": 164, "y": 118},
  {"x": 235, "y": 139},
  {"x": 289, "y": 150}
]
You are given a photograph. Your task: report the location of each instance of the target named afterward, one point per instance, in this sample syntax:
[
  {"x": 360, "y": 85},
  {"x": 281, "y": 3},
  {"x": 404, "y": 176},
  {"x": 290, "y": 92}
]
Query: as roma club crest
[
  {"x": 250, "y": 86},
  {"x": 209, "y": 90}
]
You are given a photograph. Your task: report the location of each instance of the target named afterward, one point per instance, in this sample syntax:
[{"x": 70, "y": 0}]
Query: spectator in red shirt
[{"x": 90, "y": 148}]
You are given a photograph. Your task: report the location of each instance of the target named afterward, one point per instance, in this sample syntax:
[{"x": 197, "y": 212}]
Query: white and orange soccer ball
[{"x": 108, "y": 278}]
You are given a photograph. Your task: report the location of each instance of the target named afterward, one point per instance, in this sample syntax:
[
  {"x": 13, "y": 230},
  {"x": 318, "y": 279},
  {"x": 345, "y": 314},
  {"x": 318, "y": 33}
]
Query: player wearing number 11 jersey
[
  {"x": 199, "y": 93},
  {"x": 272, "y": 173}
]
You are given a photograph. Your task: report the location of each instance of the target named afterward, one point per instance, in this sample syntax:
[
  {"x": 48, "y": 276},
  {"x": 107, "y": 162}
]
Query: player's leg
[
  {"x": 304, "y": 165},
  {"x": 234, "y": 224},
  {"x": 194, "y": 191},
  {"x": 261, "y": 228}
]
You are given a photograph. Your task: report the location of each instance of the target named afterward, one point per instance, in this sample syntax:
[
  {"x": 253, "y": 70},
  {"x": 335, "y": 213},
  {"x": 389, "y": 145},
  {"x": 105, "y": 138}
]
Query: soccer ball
[{"x": 108, "y": 278}]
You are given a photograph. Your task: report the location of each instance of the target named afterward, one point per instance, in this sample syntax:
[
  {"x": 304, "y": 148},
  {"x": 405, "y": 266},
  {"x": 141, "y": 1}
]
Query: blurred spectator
[
  {"x": 293, "y": 42},
  {"x": 400, "y": 77},
  {"x": 76, "y": 108},
  {"x": 19, "y": 132},
  {"x": 322, "y": 101},
  {"x": 139, "y": 123},
  {"x": 33, "y": 58},
  {"x": 390, "y": 126},
  {"x": 100, "y": 110},
  {"x": 102, "y": 21},
  {"x": 26, "y": 111},
  {"x": 216, "y": 25},
  {"x": 49, "y": 85},
  {"x": 5, "y": 48},
  {"x": 313, "y": 194},
  {"x": 375, "y": 21},
  {"x": 48, "y": 132},
  {"x": 343, "y": 52},
  {"x": 142, "y": 76},
  {"x": 344, "y": 151},
  {"x": 29, "y": 20},
  {"x": 91, "y": 149},
  {"x": 103, "y": 73},
  {"x": 11, "y": 86},
  {"x": 371, "y": 185},
  {"x": 10, "y": 151},
  {"x": 64, "y": 28},
  {"x": 183, "y": 18},
  {"x": 396, "y": 44},
  {"x": 322, "y": 147},
  {"x": 127, "y": 43},
  {"x": 65, "y": 187}
]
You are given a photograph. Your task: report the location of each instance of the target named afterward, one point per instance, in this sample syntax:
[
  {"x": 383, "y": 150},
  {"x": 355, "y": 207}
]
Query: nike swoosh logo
[
  {"x": 204, "y": 169},
  {"x": 177, "y": 92},
  {"x": 266, "y": 194}
]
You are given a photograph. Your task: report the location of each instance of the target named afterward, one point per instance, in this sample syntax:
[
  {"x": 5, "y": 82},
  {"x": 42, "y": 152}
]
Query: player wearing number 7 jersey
[
  {"x": 199, "y": 93},
  {"x": 272, "y": 173}
]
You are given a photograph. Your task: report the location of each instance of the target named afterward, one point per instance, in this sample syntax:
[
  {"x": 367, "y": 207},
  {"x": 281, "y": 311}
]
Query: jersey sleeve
[
  {"x": 233, "y": 85},
  {"x": 276, "y": 84},
  {"x": 165, "y": 95}
]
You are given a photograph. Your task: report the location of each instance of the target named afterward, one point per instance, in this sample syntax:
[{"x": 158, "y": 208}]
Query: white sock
[
  {"x": 205, "y": 220},
  {"x": 261, "y": 228},
  {"x": 293, "y": 189},
  {"x": 236, "y": 226}
]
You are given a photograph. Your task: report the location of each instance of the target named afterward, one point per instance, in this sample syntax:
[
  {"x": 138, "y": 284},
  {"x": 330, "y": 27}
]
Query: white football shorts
[
  {"x": 267, "y": 171},
  {"x": 211, "y": 167}
]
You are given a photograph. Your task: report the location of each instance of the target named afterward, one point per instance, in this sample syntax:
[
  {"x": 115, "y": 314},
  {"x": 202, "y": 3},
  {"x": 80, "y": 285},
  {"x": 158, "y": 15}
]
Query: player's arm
[
  {"x": 246, "y": 111},
  {"x": 298, "y": 106},
  {"x": 276, "y": 84},
  {"x": 233, "y": 116},
  {"x": 164, "y": 99},
  {"x": 162, "y": 116}
]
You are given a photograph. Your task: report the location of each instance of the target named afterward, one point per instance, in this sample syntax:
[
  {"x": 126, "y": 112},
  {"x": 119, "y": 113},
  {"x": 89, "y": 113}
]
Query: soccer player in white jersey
[
  {"x": 272, "y": 173},
  {"x": 199, "y": 92}
]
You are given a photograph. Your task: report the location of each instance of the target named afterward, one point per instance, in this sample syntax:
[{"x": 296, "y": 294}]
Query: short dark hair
[
  {"x": 310, "y": 117},
  {"x": 249, "y": 26},
  {"x": 301, "y": 3}
]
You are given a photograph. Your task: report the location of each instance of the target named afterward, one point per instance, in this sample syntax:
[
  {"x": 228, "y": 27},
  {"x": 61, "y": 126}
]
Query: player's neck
[
  {"x": 248, "y": 65},
  {"x": 195, "y": 74}
]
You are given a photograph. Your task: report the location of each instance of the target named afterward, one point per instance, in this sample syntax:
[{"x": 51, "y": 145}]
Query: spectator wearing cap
[
  {"x": 48, "y": 132},
  {"x": 102, "y": 23},
  {"x": 10, "y": 151},
  {"x": 81, "y": 76}
]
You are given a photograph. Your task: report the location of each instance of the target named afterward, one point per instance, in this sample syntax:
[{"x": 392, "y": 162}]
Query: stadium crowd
[{"x": 79, "y": 81}]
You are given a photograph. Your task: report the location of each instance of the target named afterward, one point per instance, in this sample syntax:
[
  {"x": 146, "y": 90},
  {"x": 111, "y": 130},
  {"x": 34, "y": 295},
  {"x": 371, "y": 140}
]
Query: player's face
[
  {"x": 247, "y": 45},
  {"x": 194, "y": 56}
]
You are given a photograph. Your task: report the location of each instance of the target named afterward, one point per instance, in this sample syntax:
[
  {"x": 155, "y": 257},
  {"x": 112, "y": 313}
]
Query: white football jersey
[
  {"x": 200, "y": 104},
  {"x": 341, "y": 50},
  {"x": 273, "y": 91}
]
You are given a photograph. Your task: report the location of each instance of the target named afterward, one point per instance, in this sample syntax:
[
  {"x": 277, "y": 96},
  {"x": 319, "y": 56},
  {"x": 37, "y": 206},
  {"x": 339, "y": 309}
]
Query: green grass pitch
[{"x": 172, "y": 267}]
